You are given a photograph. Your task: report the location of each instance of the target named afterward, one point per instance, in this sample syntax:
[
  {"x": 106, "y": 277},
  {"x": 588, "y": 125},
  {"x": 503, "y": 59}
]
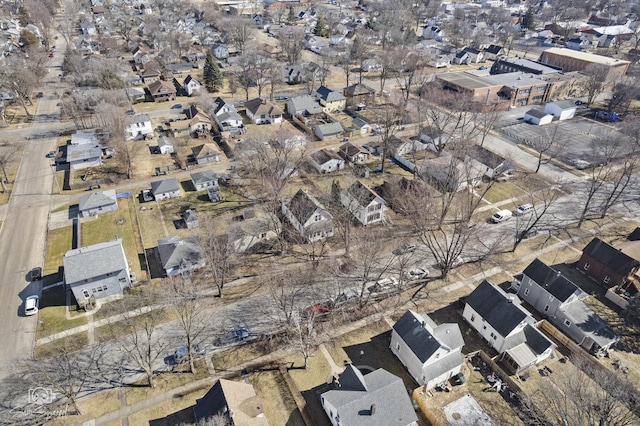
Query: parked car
[
  {"x": 182, "y": 353},
  {"x": 281, "y": 98},
  {"x": 405, "y": 248},
  {"x": 35, "y": 274},
  {"x": 417, "y": 274},
  {"x": 177, "y": 106},
  {"x": 580, "y": 164},
  {"x": 39, "y": 95},
  {"x": 524, "y": 235},
  {"x": 579, "y": 102},
  {"x": 31, "y": 305},
  {"x": 130, "y": 112},
  {"x": 523, "y": 209},
  {"x": 51, "y": 154},
  {"x": 501, "y": 216},
  {"x": 52, "y": 54},
  {"x": 238, "y": 334},
  {"x": 316, "y": 310}
]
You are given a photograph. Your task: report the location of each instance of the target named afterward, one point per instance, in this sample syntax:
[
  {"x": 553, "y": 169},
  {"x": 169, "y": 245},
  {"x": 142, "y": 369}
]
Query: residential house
[
  {"x": 330, "y": 100},
  {"x": 561, "y": 302},
  {"x": 165, "y": 189},
  {"x": 139, "y": 127},
  {"x": 606, "y": 264},
  {"x": 584, "y": 42},
  {"x": 327, "y": 130},
  {"x": 165, "y": 145},
  {"x": 493, "y": 52},
  {"x": 83, "y": 156},
  {"x": 180, "y": 128},
  {"x": 508, "y": 327},
  {"x": 190, "y": 219},
  {"x": 308, "y": 216},
  {"x": 488, "y": 162},
  {"x": 140, "y": 56},
  {"x": 199, "y": 121},
  {"x": 303, "y": 105},
  {"x": 462, "y": 58},
  {"x": 376, "y": 398},
  {"x": 220, "y": 51},
  {"x": 432, "y": 32},
  {"x": 399, "y": 147},
  {"x": 261, "y": 111},
  {"x": 180, "y": 255},
  {"x": 353, "y": 154},
  {"x": 363, "y": 203},
  {"x": 236, "y": 402},
  {"x": 226, "y": 116},
  {"x": 361, "y": 126},
  {"x": 249, "y": 233},
  {"x": 326, "y": 161},
  {"x": 371, "y": 65},
  {"x": 204, "y": 179},
  {"x": 561, "y": 110},
  {"x": 161, "y": 91},
  {"x": 397, "y": 191},
  {"x": 96, "y": 271},
  {"x": 475, "y": 55},
  {"x": 359, "y": 96},
  {"x": 191, "y": 86},
  {"x": 537, "y": 117},
  {"x": 137, "y": 94},
  {"x": 87, "y": 27},
  {"x": 98, "y": 202},
  {"x": 431, "y": 353},
  {"x": 448, "y": 174},
  {"x": 151, "y": 74},
  {"x": 205, "y": 153},
  {"x": 87, "y": 46}
]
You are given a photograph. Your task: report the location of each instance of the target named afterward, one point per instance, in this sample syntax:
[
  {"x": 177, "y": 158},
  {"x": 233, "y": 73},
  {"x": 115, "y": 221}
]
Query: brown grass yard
[
  {"x": 72, "y": 343},
  {"x": 58, "y": 243},
  {"x": 121, "y": 224},
  {"x": 277, "y": 402}
]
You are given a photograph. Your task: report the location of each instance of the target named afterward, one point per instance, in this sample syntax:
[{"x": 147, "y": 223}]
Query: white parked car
[
  {"x": 383, "y": 285},
  {"x": 31, "y": 305},
  {"x": 417, "y": 274},
  {"x": 523, "y": 209}
]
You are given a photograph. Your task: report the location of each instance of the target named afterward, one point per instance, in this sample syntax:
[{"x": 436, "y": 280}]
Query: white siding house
[
  {"x": 363, "y": 203},
  {"x": 308, "y": 216}
]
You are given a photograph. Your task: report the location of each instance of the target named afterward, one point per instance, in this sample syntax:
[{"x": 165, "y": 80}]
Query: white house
[
  {"x": 308, "y": 216},
  {"x": 179, "y": 255},
  {"x": 205, "y": 153},
  {"x": 362, "y": 126},
  {"x": 537, "y": 117},
  {"x": 220, "y": 51},
  {"x": 508, "y": 327},
  {"x": 253, "y": 231},
  {"x": 97, "y": 203},
  {"x": 432, "y": 353},
  {"x": 165, "y": 189},
  {"x": 261, "y": 111},
  {"x": 165, "y": 145},
  {"x": 562, "y": 110},
  {"x": 326, "y": 161},
  {"x": 139, "y": 127},
  {"x": 363, "y": 203},
  {"x": 191, "y": 86},
  {"x": 204, "y": 179},
  {"x": 303, "y": 105},
  {"x": 327, "y": 130}
]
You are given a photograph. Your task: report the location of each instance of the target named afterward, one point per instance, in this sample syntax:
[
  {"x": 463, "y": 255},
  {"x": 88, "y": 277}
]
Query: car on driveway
[
  {"x": 417, "y": 274},
  {"x": 51, "y": 154},
  {"x": 405, "y": 248},
  {"x": 177, "y": 106},
  {"x": 31, "y": 305},
  {"x": 35, "y": 274},
  {"x": 501, "y": 216},
  {"x": 523, "y": 209}
]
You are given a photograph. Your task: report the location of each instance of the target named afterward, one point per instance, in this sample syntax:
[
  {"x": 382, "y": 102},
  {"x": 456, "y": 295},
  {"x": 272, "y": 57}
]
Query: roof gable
[
  {"x": 552, "y": 281},
  {"x": 502, "y": 312},
  {"x": 363, "y": 194},
  {"x": 164, "y": 186},
  {"x": 303, "y": 205},
  {"x": 610, "y": 256},
  {"x": 94, "y": 261},
  {"x": 418, "y": 333},
  {"x": 97, "y": 199}
]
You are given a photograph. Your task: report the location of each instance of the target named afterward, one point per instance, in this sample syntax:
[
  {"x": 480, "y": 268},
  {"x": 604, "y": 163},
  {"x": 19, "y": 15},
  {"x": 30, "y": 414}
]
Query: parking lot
[{"x": 578, "y": 137}]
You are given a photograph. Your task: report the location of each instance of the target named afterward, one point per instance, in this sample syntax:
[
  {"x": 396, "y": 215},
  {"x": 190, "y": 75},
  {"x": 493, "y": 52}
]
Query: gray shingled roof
[
  {"x": 97, "y": 199},
  {"x": 357, "y": 393},
  {"x": 425, "y": 340},
  {"x": 324, "y": 156},
  {"x": 305, "y": 103},
  {"x": 590, "y": 324},
  {"x": 363, "y": 194},
  {"x": 552, "y": 281},
  {"x": 533, "y": 337},
  {"x": 92, "y": 261},
  {"x": 302, "y": 205},
  {"x": 610, "y": 256},
  {"x": 328, "y": 129},
  {"x": 175, "y": 251},
  {"x": 204, "y": 176},
  {"x": 493, "y": 305},
  {"x": 164, "y": 186},
  {"x": 140, "y": 118}
]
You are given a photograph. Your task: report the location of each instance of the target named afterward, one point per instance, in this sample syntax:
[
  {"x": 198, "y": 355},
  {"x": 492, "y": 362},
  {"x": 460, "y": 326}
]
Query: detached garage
[
  {"x": 537, "y": 117},
  {"x": 562, "y": 110}
]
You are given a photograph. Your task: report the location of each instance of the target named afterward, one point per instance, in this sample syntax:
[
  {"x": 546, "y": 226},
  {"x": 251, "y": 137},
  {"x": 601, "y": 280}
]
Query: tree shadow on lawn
[{"x": 184, "y": 416}]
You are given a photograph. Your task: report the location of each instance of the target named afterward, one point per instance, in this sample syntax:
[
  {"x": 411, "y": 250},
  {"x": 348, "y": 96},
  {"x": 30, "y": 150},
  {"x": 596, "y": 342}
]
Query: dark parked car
[
  {"x": 177, "y": 106},
  {"x": 405, "y": 248},
  {"x": 524, "y": 235}
]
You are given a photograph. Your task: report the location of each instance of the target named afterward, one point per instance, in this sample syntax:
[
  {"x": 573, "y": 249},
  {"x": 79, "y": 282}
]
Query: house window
[
  {"x": 567, "y": 323},
  {"x": 493, "y": 336},
  {"x": 85, "y": 293},
  {"x": 473, "y": 318},
  {"x": 606, "y": 279},
  {"x": 484, "y": 327},
  {"x": 546, "y": 308},
  {"x": 586, "y": 266},
  {"x": 526, "y": 292}
]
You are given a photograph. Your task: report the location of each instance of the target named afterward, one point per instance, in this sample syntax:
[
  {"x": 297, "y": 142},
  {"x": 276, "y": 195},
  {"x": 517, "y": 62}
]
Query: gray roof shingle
[
  {"x": 424, "y": 339},
  {"x": 552, "y": 281},
  {"x": 164, "y": 186},
  {"x": 97, "y": 199},
  {"x": 610, "y": 256},
  {"x": 94, "y": 261},
  {"x": 496, "y": 308}
]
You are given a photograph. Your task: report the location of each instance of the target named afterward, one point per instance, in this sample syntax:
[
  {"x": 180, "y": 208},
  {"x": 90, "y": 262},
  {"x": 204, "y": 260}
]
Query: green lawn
[
  {"x": 121, "y": 224},
  {"x": 52, "y": 313}
]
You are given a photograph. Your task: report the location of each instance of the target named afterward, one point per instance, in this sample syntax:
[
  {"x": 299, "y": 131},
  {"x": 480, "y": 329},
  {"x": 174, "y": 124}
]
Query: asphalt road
[{"x": 24, "y": 229}]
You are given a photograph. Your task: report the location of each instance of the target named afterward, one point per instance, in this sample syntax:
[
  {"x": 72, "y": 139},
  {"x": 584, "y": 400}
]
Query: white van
[
  {"x": 523, "y": 209},
  {"x": 501, "y": 216}
]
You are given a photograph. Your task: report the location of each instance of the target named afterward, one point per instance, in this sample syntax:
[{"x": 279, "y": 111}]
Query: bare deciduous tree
[
  {"x": 549, "y": 145},
  {"x": 596, "y": 81},
  {"x": 218, "y": 252},
  {"x": 542, "y": 201}
]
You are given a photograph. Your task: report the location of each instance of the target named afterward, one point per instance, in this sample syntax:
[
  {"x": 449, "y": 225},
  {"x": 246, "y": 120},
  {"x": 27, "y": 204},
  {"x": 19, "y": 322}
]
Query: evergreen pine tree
[
  {"x": 213, "y": 79},
  {"x": 321, "y": 28},
  {"x": 291, "y": 19},
  {"x": 528, "y": 19}
]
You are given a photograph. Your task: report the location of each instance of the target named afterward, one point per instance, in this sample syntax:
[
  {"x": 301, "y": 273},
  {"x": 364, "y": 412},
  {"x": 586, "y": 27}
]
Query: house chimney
[
  {"x": 373, "y": 409},
  {"x": 424, "y": 323}
]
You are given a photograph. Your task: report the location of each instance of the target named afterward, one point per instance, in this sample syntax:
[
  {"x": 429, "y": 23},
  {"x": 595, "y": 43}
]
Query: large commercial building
[{"x": 573, "y": 60}]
